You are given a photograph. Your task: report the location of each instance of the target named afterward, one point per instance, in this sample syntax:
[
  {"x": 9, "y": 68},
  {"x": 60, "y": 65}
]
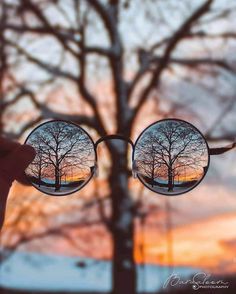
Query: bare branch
[
  {"x": 98, "y": 50},
  {"x": 109, "y": 16},
  {"x": 106, "y": 17},
  {"x": 49, "y": 68},
  {"x": 66, "y": 34},
  {"x": 56, "y": 231},
  {"x": 191, "y": 35},
  {"x": 177, "y": 37},
  {"x": 199, "y": 61},
  {"x": 29, "y": 5},
  {"x": 82, "y": 83}
]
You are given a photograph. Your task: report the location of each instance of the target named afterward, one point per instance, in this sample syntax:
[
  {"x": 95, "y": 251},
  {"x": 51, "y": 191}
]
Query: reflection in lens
[
  {"x": 171, "y": 157},
  {"x": 65, "y": 158}
]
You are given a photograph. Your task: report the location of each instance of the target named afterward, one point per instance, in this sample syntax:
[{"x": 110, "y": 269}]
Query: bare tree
[
  {"x": 63, "y": 150},
  {"x": 72, "y": 37},
  {"x": 171, "y": 149},
  {"x": 37, "y": 167}
]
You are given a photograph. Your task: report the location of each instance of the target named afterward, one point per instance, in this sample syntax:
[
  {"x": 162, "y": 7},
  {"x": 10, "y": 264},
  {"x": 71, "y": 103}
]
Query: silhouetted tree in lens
[
  {"x": 37, "y": 167},
  {"x": 60, "y": 149},
  {"x": 92, "y": 34},
  {"x": 148, "y": 162},
  {"x": 168, "y": 150}
]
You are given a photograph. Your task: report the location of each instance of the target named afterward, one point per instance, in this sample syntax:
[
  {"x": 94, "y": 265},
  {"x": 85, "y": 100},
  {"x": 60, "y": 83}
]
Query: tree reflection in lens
[
  {"x": 171, "y": 157},
  {"x": 65, "y": 158}
]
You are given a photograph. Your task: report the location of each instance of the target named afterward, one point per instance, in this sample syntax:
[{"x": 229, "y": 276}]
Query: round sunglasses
[{"x": 170, "y": 157}]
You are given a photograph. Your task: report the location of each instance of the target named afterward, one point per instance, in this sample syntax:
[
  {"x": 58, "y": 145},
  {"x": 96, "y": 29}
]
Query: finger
[
  {"x": 23, "y": 179},
  {"x": 7, "y": 146},
  {"x": 17, "y": 161}
]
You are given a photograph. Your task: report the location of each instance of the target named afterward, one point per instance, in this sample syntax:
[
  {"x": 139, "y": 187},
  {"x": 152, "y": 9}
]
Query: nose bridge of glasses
[
  {"x": 111, "y": 137},
  {"x": 114, "y": 137}
]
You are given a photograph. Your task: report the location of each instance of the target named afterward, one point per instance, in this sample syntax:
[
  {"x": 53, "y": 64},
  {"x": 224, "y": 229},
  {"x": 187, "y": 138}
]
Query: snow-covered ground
[
  {"x": 33, "y": 271},
  {"x": 51, "y": 190}
]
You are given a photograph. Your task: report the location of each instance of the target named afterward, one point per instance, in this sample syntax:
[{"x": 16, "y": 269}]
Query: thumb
[{"x": 15, "y": 163}]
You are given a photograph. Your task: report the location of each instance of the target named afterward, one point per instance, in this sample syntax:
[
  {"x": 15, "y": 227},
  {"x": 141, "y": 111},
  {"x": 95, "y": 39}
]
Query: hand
[{"x": 14, "y": 159}]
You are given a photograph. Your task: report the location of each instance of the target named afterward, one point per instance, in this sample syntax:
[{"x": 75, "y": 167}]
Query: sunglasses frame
[{"x": 211, "y": 151}]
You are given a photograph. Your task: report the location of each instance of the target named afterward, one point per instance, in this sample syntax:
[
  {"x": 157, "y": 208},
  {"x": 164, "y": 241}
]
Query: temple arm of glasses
[{"x": 221, "y": 150}]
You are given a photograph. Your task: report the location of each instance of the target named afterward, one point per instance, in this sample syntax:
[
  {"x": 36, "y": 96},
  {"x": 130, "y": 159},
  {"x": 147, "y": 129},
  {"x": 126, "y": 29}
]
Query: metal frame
[
  {"x": 211, "y": 151},
  {"x": 95, "y": 151},
  {"x": 114, "y": 137},
  {"x": 208, "y": 153}
]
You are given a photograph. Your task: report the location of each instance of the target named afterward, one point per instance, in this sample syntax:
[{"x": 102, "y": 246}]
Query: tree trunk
[
  {"x": 153, "y": 173},
  {"x": 39, "y": 177},
  {"x": 57, "y": 180},
  {"x": 170, "y": 179},
  {"x": 123, "y": 269}
]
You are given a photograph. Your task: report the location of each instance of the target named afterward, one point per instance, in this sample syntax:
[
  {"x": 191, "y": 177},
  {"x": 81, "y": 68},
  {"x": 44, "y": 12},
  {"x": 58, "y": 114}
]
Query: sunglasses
[{"x": 170, "y": 157}]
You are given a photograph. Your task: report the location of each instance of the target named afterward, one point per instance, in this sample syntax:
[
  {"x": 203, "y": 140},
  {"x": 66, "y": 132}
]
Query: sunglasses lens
[
  {"x": 171, "y": 157},
  {"x": 65, "y": 158}
]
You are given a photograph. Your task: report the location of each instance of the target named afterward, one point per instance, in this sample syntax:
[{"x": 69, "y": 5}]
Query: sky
[{"x": 203, "y": 220}]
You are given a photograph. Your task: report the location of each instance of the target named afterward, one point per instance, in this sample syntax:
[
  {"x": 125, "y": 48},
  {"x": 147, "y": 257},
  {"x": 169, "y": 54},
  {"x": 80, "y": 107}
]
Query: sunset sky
[
  {"x": 197, "y": 228},
  {"x": 203, "y": 226}
]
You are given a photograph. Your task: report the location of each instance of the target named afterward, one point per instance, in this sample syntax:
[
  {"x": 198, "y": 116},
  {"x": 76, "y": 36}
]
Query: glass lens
[
  {"x": 171, "y": 157},
  {"x": 65, "y": 158}
]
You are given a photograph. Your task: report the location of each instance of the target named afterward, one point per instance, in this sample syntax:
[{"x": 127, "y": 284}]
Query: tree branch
[
  {"x": 177, "y": 37},
  {"x": 29, "y": 5},
  {"x": 63, "y": 33},
  {"x": 82, "y": 82},
  {"x": 195, "y": 62},
  {"x": 49, "y": 68},
  {"x": 109, "y": 16}
]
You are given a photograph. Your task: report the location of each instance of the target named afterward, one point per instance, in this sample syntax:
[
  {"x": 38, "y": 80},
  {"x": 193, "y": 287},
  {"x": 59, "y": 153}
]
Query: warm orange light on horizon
[{"x": 207, "y": 243}]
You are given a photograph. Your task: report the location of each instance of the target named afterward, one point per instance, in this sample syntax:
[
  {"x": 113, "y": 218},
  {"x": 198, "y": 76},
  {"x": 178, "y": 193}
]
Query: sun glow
[{"x": 208, "y": 242}]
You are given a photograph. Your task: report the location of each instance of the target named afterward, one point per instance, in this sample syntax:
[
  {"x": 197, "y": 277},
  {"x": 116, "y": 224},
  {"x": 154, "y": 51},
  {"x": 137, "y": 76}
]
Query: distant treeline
[{"x": 38, "y": 182}]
